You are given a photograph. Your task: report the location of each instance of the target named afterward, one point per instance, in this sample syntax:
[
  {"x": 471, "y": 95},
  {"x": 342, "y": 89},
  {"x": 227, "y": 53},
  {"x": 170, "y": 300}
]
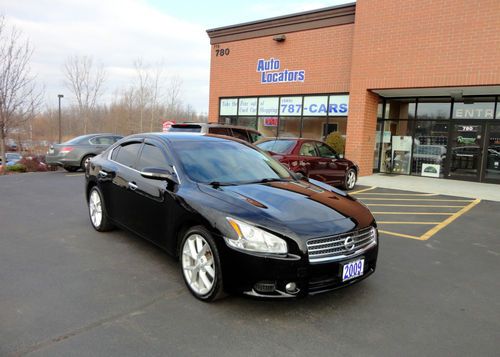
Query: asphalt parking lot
[{"x": 67, "y": 290}]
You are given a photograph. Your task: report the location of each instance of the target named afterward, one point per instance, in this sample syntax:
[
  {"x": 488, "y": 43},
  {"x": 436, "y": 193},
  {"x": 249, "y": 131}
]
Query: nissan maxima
[{"x": 236, "y": 219}]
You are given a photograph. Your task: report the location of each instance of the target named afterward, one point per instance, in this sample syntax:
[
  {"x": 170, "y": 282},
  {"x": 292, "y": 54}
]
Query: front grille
[{"x": 340, "y": 246}]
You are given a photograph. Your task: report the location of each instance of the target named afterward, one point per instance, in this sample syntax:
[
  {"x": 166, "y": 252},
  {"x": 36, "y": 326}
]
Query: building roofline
[{"x": 307, "y": 20}]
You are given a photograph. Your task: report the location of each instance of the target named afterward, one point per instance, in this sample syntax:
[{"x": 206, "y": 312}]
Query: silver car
[{"x": 77, "y": 152}]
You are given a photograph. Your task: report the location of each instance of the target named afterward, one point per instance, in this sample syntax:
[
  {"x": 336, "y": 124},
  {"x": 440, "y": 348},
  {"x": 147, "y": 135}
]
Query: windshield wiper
[
  {"x": 216, "y": 184},
  {"x": 274, "y": 179}
]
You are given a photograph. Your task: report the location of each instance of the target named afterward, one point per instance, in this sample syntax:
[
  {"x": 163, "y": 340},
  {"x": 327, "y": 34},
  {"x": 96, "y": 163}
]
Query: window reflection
[
  {"x": 434, "y": 108},
  {"x": 474, "y": 108}
]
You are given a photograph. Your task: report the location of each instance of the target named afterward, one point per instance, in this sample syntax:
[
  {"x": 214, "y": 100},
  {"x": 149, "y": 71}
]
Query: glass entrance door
[
  {"x": 465, "y": 149},
  {"x": 492, "y": 152}
]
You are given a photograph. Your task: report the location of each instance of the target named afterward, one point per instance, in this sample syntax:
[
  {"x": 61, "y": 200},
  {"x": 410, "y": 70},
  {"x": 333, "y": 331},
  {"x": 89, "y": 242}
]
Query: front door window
[
  {"x": 466, "y": 150},
  {"x": 492, "y": 167}
]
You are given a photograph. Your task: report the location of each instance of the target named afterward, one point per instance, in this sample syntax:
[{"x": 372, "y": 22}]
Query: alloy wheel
[
  {"x": 198, "y": 264},
  {"x": 351, "y": 179},
  {"x": 95, "y": 208}
]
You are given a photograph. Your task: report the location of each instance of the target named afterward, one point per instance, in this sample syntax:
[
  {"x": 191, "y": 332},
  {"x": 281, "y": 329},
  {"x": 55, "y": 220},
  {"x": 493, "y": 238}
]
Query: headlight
[
  {"x": 254, "y": 239},
  {"x": 375, "y": 234}
]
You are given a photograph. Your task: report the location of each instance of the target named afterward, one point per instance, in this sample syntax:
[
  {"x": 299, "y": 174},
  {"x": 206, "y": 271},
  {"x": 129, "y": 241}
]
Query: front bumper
[{"x": 268, "y": 276}]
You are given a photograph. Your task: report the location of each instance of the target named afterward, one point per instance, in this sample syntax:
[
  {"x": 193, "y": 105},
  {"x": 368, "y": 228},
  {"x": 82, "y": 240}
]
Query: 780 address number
[{"x": 219, "y": 52}]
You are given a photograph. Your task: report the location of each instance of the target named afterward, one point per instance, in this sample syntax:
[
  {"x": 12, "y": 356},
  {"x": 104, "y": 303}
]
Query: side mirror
[{"x": 155, "y": 173}]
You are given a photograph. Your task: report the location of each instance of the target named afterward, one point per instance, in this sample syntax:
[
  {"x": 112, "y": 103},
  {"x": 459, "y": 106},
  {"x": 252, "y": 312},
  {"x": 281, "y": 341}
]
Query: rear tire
[
  {"x": 97, "y": 211},
  {"x": 350, "y": 180},
  {"x": 85, "y": 161},
  {"x": 200, "y": 264}
]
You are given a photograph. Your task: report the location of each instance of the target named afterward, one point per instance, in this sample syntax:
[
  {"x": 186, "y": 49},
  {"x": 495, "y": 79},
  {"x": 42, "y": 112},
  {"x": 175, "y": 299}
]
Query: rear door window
[
  {"x": 325, "y": 151},
  {"x": 127, "y": 154},
  {"x": 241, "y": 134},
  {"x": 254, "y": 136},
  {"x": 151, "y": 156},
  {"x": 220, "y": 131},
  {"x": 102, "y": 140},
  {"x": 307, "y": 149}
]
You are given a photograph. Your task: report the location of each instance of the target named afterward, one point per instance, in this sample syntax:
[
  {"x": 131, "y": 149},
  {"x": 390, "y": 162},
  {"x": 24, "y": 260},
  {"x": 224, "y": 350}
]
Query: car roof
[
  {"x": 286, "y": 138},
  {"x": 180, "y": 136},
  {"x": 214, "y": 125}
]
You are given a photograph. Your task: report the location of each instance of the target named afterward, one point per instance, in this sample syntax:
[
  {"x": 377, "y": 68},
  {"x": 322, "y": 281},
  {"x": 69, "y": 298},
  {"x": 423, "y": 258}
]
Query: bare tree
[
  {"x": 143, "y": 91},
  {"x": 173, "y": 93},
  {"x": 19, "y": 97},
  {"x": 86, "y": 83},
  {"x": 155, "y": 89}
]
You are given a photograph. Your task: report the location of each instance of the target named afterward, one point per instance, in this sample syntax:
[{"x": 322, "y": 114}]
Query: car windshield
[
  {"x": 277, "y": 146},
  {"x": 227, "y": 163}
]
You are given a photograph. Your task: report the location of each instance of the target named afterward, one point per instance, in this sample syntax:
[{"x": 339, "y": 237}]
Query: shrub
[
  {"x": 16, "y": 168},
  {"x": 336, "y": 141},
  {"x": 33, "y": 164}
]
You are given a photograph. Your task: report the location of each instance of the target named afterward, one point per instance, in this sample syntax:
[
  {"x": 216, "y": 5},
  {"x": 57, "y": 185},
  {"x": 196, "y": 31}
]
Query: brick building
[{"x": 413, "y": 86}]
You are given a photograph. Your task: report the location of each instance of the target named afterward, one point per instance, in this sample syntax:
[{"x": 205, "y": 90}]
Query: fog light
[{"x": 291, "y": 288}]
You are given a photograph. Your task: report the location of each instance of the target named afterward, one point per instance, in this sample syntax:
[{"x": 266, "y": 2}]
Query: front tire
[
  {"x": 200, "y": 264},
  {"x": 350, "y": 179},
  {"x": 97, "y": 211}
]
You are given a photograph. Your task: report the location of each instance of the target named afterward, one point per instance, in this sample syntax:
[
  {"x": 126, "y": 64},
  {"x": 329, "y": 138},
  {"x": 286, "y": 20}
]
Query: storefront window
[
  {"x": 291, "y": 106},
  {"x": 269, "y": 106},
  {"x": 312, "y": 127},
  {"x": 228, "y": 120},
  {"x": 396, "y": 147},
  {"x": 247, "y": 106},
  {"x": 289, "y": 127},
  {"x": 474, "y": 108},
  {"x": 315, "y": 105},
  {"x": 338, "y": 105},
  {"x": 434, "y": 108},
  {"x": 229, "y": 106},
  {"x": 378, "y": 143},
  {"x": 249, "y": 122},
  {"x": 268, "y": 126},
  {"x": 313, "y": 116},
  {"x": 400, "y": 109},
  {"x": 380, "y": 110},
  {"x": 429, "y": 150}
]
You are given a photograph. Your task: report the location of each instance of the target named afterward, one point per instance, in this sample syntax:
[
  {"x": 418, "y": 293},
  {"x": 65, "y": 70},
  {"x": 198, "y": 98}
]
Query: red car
[{"x": 313, "y": 159}]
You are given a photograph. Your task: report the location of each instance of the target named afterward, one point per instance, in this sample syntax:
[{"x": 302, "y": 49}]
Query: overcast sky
[{"x": 116, "y": 32}]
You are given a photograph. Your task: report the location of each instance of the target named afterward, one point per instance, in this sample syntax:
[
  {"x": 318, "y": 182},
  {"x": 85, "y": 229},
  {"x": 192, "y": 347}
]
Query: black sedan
[
  {"x": 237, "y": 219},
  {"x": 76, "y": 153}
]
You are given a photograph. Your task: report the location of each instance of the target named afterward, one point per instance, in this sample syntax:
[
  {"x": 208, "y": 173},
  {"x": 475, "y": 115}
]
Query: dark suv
[{"x": 239, "y": 132}]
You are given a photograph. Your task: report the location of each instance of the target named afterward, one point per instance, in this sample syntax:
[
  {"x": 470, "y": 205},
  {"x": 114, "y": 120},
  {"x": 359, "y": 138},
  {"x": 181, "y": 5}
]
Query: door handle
[{"x": 132, "y": 186}]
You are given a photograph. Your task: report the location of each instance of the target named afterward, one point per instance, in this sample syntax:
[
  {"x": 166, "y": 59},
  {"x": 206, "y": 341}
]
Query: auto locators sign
[{"x": 270, "y": 72}]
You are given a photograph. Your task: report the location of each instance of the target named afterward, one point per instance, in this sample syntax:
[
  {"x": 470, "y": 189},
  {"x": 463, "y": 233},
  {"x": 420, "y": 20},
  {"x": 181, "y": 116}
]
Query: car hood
[{"x": 294, "y": 208}]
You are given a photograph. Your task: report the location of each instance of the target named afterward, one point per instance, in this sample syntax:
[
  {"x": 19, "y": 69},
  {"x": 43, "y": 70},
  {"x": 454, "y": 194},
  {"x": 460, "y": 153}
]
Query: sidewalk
[{"x": 484, "y": 191}]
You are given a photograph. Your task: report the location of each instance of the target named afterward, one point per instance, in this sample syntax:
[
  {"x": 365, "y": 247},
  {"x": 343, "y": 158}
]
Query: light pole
[{"x": 60, "y": 96}]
